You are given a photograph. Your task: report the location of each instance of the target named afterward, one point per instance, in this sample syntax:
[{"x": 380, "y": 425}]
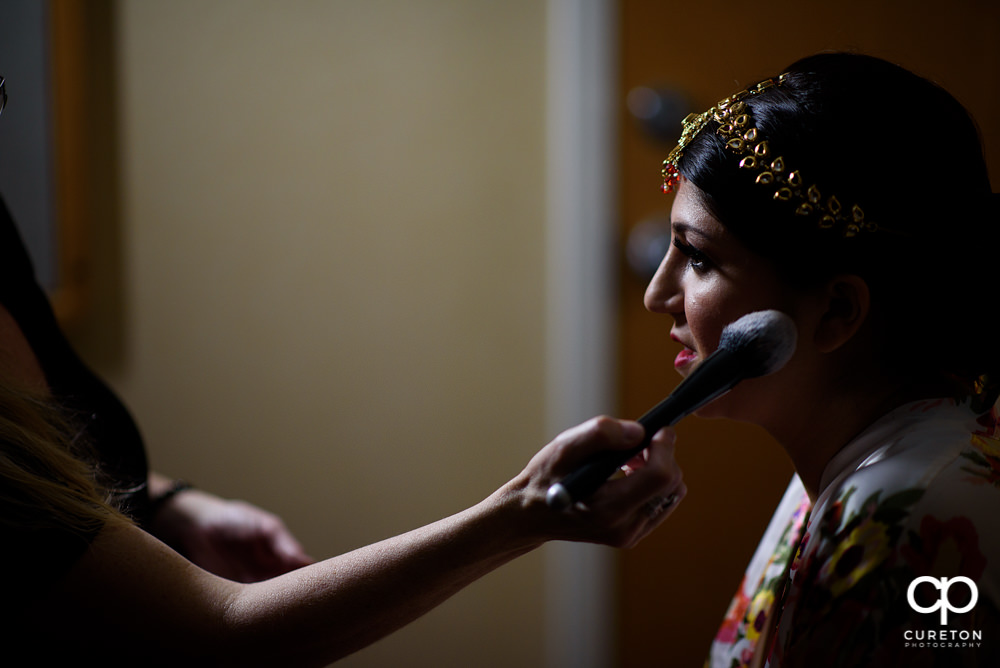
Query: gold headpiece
[{"x": 743, "y": 139}]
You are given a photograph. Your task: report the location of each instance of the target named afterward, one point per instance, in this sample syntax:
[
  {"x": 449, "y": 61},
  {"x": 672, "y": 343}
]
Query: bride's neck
[{"x": 822, "y": 423}]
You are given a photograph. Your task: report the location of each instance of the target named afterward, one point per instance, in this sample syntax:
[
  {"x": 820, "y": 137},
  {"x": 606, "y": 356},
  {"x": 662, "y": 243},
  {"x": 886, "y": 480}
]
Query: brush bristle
[{"x": 766, "y": 338}]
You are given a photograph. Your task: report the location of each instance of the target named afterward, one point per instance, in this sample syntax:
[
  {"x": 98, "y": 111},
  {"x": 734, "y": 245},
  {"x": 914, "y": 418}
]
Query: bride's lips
[{"x": 685, "y": 356}]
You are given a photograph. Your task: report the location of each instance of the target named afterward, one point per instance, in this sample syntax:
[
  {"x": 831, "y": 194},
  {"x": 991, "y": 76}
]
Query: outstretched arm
[{"x": 171, "y": 610}]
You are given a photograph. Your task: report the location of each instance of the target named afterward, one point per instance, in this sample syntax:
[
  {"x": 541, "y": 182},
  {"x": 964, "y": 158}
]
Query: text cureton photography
[{"x": 943, "y": 637}]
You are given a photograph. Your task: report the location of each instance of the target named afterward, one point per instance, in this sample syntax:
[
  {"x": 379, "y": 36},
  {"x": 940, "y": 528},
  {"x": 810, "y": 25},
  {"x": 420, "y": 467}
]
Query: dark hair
[{"x": 909, "y": 155}]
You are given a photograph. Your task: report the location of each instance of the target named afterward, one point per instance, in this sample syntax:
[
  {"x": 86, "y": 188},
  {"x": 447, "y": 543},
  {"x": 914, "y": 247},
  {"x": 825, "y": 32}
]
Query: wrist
[
  {"x": 160, "y": 500},
  {"x": 519, "y": 515}
]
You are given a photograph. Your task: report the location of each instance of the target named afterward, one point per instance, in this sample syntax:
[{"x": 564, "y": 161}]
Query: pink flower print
[
  {"x": 734, "y": 616},
  {"x": 949, "y": 548},
  {"x": 990, "y": 423},
  {"x": 833, "y": 517}
]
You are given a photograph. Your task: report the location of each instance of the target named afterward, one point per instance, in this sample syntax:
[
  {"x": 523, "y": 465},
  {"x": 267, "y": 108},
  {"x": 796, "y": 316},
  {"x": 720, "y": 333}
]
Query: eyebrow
[{"x": 688, "y": 230}]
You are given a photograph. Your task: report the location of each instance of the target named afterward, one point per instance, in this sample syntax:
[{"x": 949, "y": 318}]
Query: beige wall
[{"x": 330, "y": 242}]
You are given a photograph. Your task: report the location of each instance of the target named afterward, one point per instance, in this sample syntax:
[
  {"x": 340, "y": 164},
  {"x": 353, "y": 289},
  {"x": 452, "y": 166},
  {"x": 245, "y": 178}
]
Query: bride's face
[{"x": 707, "y": 280}]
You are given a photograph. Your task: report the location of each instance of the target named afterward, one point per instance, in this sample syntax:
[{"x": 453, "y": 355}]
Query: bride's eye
[{"x": 696, "y": 259}]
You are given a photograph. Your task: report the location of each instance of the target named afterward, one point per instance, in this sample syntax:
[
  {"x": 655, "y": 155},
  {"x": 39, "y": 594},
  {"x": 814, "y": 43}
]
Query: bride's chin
[{"x": 734, "y": 405}]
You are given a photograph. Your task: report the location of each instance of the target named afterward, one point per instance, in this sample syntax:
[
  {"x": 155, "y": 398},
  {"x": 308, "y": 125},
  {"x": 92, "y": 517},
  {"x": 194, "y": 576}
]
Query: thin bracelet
[{"x": 176, "y": 487}]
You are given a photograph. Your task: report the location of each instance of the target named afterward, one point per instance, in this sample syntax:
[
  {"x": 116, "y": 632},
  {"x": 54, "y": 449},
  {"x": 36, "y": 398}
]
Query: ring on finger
[{"x": 658, "y": 505}]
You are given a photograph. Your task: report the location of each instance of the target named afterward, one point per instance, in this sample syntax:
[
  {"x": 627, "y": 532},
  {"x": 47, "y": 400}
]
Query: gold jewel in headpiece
[{"x": 747, "y": 142}]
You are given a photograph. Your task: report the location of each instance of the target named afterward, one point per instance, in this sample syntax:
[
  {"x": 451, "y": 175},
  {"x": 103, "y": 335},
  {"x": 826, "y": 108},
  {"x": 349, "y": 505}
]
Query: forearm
[
  {"x": 330, "y": 609},
  {"x": 170, "y": 610}
]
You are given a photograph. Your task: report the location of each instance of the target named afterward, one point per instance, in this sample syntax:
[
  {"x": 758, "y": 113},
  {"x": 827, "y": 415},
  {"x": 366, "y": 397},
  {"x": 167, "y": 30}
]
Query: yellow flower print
[
  {"x": 757, "y": 615},
  {"x": 990, "y": 447},
  {"x": 861, "y": 552},
  {"x": 985, "y": 455}
]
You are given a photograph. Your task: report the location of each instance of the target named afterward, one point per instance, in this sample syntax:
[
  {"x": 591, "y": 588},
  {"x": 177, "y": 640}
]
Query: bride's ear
[{"x": 848, "y": 302}]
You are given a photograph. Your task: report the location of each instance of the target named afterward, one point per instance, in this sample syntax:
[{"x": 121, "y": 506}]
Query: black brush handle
[{"x": 694, "y": 392}]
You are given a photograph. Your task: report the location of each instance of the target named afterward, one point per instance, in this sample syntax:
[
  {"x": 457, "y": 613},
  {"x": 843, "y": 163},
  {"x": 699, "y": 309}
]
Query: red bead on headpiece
[
  {"x": 671, "y": 177},
  {"x": 695, "y": 123}
]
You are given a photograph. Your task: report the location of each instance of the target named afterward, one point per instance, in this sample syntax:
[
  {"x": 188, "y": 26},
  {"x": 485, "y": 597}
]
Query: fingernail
[{"x": 667, "y": 434}]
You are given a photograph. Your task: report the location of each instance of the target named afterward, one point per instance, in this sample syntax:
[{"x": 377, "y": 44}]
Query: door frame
[{"x": 581, "y": 293}]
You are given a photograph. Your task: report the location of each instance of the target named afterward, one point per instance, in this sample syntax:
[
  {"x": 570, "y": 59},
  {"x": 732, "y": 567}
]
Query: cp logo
[{"x": 943, "y": 603}]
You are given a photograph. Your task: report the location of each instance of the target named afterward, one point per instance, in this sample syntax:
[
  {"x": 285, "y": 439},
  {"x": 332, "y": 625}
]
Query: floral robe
[{"x": 857, "y": 579}]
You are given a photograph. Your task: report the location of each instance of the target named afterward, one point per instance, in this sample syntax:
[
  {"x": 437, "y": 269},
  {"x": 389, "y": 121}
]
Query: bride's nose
[{"x": 663, "y": 294}]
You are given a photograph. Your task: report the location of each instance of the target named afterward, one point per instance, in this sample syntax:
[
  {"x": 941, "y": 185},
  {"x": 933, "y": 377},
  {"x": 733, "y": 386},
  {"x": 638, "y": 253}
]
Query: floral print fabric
[
  {"x": 917, "y": 495},
  {"x": 749, "y": 614}
]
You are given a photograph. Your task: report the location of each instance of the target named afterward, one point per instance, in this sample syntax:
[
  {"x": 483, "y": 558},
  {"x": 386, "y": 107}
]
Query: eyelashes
[{"x": 696, "y": 259}]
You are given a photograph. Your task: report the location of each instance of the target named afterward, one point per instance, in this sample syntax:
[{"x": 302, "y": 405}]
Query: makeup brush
[{"x": 757, "y": 344}]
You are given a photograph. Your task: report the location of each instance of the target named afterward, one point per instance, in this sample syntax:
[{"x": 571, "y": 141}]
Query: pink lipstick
[{"x": 684, "y": 357}]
